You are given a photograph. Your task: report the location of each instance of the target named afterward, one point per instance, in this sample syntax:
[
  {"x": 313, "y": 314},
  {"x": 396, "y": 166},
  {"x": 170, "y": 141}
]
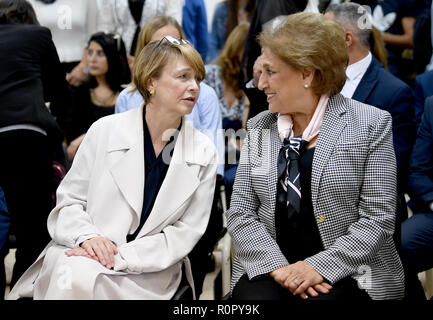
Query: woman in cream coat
[{"x": 100, "y": 201}]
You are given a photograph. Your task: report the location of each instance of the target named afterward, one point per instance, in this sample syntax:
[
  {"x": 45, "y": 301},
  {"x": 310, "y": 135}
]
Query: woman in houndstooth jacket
[{"x": 313, "y": 206}]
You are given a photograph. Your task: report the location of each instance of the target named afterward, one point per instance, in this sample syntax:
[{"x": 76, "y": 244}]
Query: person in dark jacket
[
  {"x": 417, "y": 231},
  {"x": 30, "y": 76}
]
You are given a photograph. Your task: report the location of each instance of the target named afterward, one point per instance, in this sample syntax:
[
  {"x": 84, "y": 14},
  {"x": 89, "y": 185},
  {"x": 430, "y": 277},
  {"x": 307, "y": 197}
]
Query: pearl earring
[{"x": 306, "y": 86}]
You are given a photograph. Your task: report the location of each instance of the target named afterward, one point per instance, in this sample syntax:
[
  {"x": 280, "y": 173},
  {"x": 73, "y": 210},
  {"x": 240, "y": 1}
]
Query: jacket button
[{"x": 321, "y": 218}]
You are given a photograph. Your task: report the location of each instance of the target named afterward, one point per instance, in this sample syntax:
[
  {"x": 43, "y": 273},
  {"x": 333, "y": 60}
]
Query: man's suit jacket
[
  {"x": 353, "y": 187},
  {"x": 383, "y": 90},
  {"x": 423, "y": 89},
  {"x": 421, "y": 165},
  {"x": 102, "y": 194}
]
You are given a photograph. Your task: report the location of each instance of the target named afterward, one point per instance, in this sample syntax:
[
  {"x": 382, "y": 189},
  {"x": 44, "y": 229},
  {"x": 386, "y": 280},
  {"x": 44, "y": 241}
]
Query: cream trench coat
[{"x": 102, "y": 195}]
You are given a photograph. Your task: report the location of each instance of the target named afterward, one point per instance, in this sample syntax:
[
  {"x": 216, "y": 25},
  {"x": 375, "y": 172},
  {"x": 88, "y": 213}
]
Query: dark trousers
[
  {"x": 25, "y": 176},
  {"x": 416, "y": 251},
  {"x": 266, "y": 288}
]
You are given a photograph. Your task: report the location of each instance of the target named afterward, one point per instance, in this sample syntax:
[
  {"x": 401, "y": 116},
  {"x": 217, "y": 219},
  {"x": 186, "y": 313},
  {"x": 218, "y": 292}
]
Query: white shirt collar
[{"x": 357, "y": 69}]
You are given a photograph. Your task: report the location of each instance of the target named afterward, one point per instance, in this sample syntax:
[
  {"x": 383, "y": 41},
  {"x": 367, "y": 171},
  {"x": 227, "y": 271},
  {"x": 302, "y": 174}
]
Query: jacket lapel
[
  {"x": 181, "y": 180},
  {"x": 367, "y": 83},
  {"x": 126, "y": 147},
  {"x": 333, "y": 124}
]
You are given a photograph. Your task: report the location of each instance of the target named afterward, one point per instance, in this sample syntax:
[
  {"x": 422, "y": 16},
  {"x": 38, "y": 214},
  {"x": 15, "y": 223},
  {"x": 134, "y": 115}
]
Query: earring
[
  {"x": 306, "y": 86},
  {"x": 152, "y": 92}
]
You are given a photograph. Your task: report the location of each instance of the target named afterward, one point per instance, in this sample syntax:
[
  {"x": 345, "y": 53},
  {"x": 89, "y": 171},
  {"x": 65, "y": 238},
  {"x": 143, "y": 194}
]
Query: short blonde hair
[
  {"x": 308, "y": 40},
  {"x": 155, "y": 56},
  {"x": 154, "y": 25}
]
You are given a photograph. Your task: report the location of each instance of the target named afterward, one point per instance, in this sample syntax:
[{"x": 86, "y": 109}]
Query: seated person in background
[
  {"x": 194, "y": 24},
  {"x": 206, "y": 117},
  {"x": 312, "y": 212},
  {"x": 368, "y": 82},
  {"x": 423, "y": 89},
  {"x": 223, "y": 77},
  {"x": 30, "y": 139},
  {"x": 417, "y": 231},
  {"x": 108, "y": 70},
  {"x": 395, "y": 19},
  {"x": 138, "y": 195}
]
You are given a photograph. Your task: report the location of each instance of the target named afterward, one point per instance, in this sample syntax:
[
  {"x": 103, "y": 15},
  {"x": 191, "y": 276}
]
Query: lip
[
  {"x": 190, "y": 100},
  {"x": 270, "y": 96}
]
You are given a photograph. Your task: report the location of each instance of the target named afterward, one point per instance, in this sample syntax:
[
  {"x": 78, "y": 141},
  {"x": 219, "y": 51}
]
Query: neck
[
  {"x": 356, "y": 54},
  {"x": 159, "y": 121},
  {"x": 301, "y": 120},
  {"x": 101, "y": 80}
]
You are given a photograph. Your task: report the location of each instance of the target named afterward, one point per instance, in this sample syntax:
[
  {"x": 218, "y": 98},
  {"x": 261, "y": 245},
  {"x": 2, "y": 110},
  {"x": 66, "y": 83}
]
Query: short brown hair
[
  {"x": 155, "y": 56},
  {"x": 308, "y": 40}
]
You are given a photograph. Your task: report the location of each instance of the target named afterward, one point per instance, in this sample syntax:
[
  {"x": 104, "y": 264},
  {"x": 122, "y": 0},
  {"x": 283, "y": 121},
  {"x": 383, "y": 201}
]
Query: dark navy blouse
[{"x": 155, "y": 170}]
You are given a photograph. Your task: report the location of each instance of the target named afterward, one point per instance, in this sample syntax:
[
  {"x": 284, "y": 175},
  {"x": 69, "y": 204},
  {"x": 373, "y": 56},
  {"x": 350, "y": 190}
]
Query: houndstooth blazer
[{"x": 353, "y": 188}]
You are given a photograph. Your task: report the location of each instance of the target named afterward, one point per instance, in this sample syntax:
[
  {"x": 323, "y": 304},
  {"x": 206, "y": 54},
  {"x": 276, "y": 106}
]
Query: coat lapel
[
  {"x": 181, "y": 180},
  {"x": 367, "y": 83},
  {"x": 126, "y": 147},
  {"x": 333, "y": 125}
]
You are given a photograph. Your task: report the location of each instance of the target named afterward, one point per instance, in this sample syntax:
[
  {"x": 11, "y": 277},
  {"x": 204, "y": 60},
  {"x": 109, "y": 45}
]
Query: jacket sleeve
[
  {"x": 377, "y": 205},
  {"x": 156, "y": 252},
  {"x": 256, "y": 249},
  {"x": 421, "y": 169},
  {"x": 68, "y": 223}
]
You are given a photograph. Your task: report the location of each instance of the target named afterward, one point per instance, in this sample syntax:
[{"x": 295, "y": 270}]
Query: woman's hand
[
  {"x": 101, "y": 248},
  {"x": 80, "y": 252},
  {"x": 73, "y": 147},
  {"x": 300, "y": 278}
]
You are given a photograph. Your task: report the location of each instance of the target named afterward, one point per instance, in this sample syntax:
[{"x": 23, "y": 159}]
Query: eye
[
  {"x": 269, "y": 71},
  {"x": 90, "y": 52},
  {"x": 101, "y": 54}
]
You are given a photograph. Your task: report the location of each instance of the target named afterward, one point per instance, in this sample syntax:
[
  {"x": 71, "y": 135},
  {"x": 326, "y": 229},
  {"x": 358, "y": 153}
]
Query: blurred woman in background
[{"x": 108, "y": 70}]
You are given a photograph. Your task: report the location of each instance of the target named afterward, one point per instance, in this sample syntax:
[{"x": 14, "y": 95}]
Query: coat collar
[{"x": 128, "y": 169}]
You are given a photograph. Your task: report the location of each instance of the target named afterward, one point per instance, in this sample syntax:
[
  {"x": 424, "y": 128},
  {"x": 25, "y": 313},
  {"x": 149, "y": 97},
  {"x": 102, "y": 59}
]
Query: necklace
[{"x": 102, "y": 101}]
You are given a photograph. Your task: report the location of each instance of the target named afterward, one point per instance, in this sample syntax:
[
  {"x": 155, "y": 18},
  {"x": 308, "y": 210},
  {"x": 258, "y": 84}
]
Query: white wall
[{"x": 210, "y": 8}]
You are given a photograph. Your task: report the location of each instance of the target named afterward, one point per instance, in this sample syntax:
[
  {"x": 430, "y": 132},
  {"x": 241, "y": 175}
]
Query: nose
[
  {"x": 194, "y": 85},
  {"x": 262, "y": 81}
]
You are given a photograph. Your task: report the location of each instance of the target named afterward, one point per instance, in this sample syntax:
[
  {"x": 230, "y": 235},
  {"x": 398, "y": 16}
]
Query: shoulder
[
  {"x": 201, "y": 147},
  {"x": 263, "y": 120},
  {"x": 365, "y": 115},
  {"x": 425, "y": 78},
  {"x": 387, "y": 79},
  {"x": 207, "y": 91}
]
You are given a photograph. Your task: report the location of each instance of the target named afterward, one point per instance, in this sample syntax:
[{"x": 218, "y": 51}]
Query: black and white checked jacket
[{"x": 353, "y": 193}]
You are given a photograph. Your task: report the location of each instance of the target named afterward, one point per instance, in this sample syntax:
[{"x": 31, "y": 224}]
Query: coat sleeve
[
  {"x": 153, "y": 253},
  {"x": 377, "y": 205},
  {"x": 68, "y": 223},
  {"x": 255, "y": 248}
]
